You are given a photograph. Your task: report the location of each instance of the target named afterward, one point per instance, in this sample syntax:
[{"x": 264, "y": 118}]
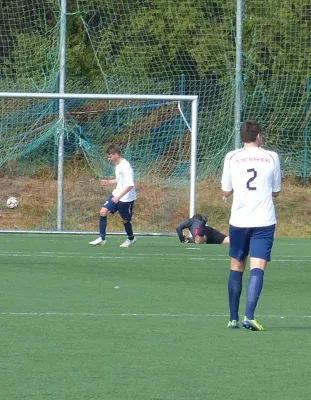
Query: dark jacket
[{"x": 191, "y": 224}]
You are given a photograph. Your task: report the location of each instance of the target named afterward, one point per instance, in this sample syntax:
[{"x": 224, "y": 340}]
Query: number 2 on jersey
[{"x": 248, "y": 183}]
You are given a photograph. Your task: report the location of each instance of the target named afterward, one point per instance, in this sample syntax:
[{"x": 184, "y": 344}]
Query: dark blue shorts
[
  {"x": 124, "y": 208},
  {"x": 256, "y": 242}
]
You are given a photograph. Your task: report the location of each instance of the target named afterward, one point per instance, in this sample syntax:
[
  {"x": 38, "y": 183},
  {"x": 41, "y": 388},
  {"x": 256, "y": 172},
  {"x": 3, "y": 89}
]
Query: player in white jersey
[
  {"x": 253, "y": 176},
  {"x": 122, "y": 198}
]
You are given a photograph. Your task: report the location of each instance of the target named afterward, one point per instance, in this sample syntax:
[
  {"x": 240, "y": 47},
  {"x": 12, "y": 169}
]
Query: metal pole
[
  {"x": 61, "y": 116},
  {"x": 238, "y": 74},
  {"x": 306, "y": 134},
  {"x": 193, "y": 166},
  {"x": 181, "y": 121}
]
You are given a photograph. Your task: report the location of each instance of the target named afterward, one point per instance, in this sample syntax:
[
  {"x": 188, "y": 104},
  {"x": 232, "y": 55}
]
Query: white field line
[
  {"x": 293, "y": 244},
  {"x": 165, "y": 315},
  {"x": 78, "y": 254},
  {"x": 55, "y": 238},
  {"x": 100, "y": 257},
  {"x": 102, "y": 253},
  {"x": 159, "y": 256}
]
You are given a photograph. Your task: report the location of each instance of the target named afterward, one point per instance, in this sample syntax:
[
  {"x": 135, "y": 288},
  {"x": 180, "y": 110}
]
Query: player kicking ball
[
  {"x": 200, "y": 232},
  {"x": 121, "y": 200}
]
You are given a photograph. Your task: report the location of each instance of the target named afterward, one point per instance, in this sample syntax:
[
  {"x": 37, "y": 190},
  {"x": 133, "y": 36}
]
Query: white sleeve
[
  {"x": 226, "y": 182},
  {"x": 277, "y": 179}
]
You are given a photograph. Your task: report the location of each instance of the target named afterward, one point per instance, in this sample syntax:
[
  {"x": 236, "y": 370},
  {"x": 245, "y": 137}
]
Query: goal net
[
  {"x": 154, "y": 135},
  {"x": 141, "y": 39},
  {"x": 29, "y": 50},
  {"x": 150, "y": 47}
]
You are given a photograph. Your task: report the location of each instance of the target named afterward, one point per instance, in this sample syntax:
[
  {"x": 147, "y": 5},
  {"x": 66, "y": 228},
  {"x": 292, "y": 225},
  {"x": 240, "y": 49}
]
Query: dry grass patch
[{"x": 158, "y": 209}]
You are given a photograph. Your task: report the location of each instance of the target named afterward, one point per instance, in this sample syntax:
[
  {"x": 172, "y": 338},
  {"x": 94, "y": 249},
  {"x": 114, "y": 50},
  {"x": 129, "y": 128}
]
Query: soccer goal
[{"x": 52, "y": 163}]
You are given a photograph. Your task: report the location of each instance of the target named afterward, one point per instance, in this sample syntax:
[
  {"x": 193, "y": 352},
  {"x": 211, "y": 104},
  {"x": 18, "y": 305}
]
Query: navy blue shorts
[
  {"x": 256, "y": 242},
  {"x": 124, "y": 208}
]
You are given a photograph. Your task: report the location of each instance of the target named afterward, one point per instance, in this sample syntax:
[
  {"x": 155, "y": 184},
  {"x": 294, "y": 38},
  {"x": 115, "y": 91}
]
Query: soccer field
[{"x": 147, "y": 322}]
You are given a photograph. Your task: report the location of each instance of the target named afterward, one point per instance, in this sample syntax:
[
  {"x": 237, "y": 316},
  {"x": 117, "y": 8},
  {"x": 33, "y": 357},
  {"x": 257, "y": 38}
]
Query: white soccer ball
[{"x": 12, "y": 202}]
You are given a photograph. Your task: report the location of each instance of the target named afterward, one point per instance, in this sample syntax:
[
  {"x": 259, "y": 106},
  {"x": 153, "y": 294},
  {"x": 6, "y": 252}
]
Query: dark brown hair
[
  {"x": 249, "y": 131},
  {"x": 113, "y": 149},
  {"x": 197, "y": 216}
]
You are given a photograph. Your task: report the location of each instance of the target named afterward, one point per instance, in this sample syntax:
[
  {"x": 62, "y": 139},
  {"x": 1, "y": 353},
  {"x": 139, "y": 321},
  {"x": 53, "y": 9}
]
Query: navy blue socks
[
  {"x": 129, "y": 230},
  {"x": 255, "y": 283},
  {"x": 234, "y": 292},
  {"x": 102, "y": 227}
]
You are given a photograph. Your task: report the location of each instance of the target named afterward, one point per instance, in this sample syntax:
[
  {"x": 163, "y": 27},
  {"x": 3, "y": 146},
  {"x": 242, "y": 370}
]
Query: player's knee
[
  {"x": 238, "y": 265},
  {"x": 226, "y": 240},
  {"x": 103, "y": 212}
]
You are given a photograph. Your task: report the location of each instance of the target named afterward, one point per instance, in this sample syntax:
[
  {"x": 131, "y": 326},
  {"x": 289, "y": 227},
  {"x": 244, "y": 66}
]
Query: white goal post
[{"x": 193, "y": 127}]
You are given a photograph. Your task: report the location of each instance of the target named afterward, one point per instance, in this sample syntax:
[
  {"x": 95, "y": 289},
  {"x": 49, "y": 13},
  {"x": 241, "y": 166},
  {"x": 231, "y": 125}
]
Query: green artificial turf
[{"x": 147, "y": 322}]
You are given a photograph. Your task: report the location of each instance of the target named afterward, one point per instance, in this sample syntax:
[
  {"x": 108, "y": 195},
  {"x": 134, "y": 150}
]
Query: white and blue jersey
[
  {"x": 253, "y": 174},
  {"x": 125, "y": 177}
]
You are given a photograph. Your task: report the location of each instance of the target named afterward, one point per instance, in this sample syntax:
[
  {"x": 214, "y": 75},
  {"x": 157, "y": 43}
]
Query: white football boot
[
  {"x": 97, "y": 242},
  {"x": 128, "y": 243}
]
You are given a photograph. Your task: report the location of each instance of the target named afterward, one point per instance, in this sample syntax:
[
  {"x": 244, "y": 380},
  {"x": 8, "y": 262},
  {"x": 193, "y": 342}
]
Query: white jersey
[
  {"x": 125, "y": 177},
  {"x": 253, "y": 174}
]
